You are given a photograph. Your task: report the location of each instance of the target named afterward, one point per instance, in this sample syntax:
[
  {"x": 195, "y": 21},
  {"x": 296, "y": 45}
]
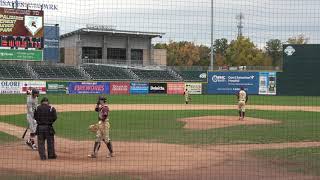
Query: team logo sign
[
  {"x": 33, "y": 24},
  {"x": 289, "y": 50}
]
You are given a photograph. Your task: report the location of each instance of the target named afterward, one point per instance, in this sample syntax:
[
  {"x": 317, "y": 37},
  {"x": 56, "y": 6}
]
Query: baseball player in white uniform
[
  {"x": 242, "y": 100},
  {"x": 32, "y": 104}
]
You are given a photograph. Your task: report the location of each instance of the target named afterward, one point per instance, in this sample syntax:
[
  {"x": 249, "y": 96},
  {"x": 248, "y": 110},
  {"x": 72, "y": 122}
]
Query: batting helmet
[
  {"x": 102, "y": 98},
  {"x": 35, "y": 91}
]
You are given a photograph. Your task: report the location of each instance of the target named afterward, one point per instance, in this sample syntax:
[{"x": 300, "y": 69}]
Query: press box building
[{"x": 110, "y": 46}]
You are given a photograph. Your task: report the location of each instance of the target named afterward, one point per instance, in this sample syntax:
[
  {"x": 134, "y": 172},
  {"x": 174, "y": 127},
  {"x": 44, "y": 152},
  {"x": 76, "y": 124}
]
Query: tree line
[{"x": 239, "y": 52}]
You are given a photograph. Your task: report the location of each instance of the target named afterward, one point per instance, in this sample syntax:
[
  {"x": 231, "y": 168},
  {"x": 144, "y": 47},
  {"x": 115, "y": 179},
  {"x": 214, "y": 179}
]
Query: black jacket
[{"x": 45, "y": 115}]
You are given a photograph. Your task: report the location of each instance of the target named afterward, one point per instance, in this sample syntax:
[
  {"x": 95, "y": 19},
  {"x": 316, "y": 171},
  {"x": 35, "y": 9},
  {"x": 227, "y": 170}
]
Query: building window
[
  {"x": 137, "y": 54},
  {"x": 117, "y": 53},
  {"x": 62, "y": 55},
  {"x": 91, "y": 53}
]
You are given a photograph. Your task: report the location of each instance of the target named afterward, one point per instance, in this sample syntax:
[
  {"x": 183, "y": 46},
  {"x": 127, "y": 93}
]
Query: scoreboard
[
  {"x": 21, "y": 34},
  {"x": 21, "y": 42}
]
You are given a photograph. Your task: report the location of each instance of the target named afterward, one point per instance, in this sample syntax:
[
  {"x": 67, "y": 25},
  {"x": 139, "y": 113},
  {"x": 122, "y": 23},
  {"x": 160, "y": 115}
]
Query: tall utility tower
[{"x": 240, "y": 18}]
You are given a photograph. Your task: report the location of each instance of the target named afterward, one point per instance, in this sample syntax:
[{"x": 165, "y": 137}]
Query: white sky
[{"x": 190, "y": 19}]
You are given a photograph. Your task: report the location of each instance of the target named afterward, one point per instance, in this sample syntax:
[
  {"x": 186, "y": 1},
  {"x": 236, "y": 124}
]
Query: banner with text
[
  {"x": 57, "y": 87},
  {"x": 267, "y": 83},
  {"x": 119, "y": 88},
  {"x": 139, "y": 88},
  {"x": 194, "y": 88},
  {"x": 40, "y": 85},
  {"x": 175, "y": 88},
  {"x": 157, "y": 88},
  {"x": 89, "y": 88},
  {"x": 10, "y": 87},
  {"x": 230, "y": 82}
]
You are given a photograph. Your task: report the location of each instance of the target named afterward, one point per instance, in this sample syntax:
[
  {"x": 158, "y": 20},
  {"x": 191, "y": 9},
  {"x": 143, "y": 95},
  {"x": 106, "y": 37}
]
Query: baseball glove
[{"x": 93, "y": 128}]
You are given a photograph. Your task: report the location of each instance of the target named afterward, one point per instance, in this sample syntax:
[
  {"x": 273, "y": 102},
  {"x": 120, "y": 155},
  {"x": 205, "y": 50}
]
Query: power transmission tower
[{"x": 240, "y": 18}]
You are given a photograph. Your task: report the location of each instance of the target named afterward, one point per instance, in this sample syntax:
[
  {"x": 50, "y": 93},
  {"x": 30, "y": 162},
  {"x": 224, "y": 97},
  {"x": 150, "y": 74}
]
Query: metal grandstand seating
[
  {"x": 57, "y": 72},
  {"x": 195, "y": 76},
  {"x": 103, "y": 72},
  {"x": 14, "y": 71},
  {"x": 154, "y": 75}
]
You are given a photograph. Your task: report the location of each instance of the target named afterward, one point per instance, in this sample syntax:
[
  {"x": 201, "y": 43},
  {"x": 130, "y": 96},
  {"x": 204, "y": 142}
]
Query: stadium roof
[{"x": 112, "y": 31}]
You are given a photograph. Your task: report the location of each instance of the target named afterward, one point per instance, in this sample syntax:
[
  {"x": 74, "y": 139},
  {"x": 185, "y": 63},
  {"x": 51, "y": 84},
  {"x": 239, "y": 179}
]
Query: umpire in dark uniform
[{"x": 45, "y": 115}]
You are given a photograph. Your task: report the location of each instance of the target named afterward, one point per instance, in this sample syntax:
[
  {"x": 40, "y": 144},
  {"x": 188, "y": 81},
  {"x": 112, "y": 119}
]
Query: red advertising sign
[
  {"x": 119, "y": 88},
  {"x": 175, "y": 88}
]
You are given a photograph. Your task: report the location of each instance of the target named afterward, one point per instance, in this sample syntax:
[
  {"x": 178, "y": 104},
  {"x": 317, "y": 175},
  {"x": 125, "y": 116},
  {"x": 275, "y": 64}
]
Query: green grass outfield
[
  {"x": 168, "y": 99},
  {"x": 162, "y": 126},
  {"x": 300, "y": 160},
  {"x": 6, "y": 138}
]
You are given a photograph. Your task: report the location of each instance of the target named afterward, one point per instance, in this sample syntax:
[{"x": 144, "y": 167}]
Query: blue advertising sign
[
  {"x": 230, "y": 82},
  {"x": 89, "y": 88},
  {"x": 139, "y": 88},
  {"x": 51, "y": 43}
]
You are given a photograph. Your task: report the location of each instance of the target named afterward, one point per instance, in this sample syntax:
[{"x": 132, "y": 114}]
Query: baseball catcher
[
  {"x": 32, "y": 103},
  {"x": 101, "y": 129},
  {"x": 242, "y": 100}
]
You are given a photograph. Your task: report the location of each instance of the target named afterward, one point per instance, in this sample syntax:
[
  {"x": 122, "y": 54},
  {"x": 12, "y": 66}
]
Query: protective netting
[{"x": 254, "y": 115}]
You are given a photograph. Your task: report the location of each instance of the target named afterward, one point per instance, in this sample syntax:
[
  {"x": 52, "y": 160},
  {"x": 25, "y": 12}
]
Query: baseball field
[{"x": 160, "y": 137}]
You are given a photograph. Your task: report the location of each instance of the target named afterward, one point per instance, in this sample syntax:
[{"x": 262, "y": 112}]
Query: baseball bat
[{"x": 25, "y": 132}]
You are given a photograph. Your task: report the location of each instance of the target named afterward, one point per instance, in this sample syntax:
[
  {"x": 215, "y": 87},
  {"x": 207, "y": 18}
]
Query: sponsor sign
[
  {"x": 89, "y": 87},
  {"x": 194, "y": 88},
  {"x": 157, "y": 88},
  {"x": 175, "y": 88},
  {"x": 10, "y": 87},
  {"x": 139, "y": 88},
  {"x": 51, "y": 43},
  {"x": 21, "y": 87},
  {"x": 119, "y": 88},
  {"x": 230, "y": 82},
  {"x": 267, "y": 83},
  {"x": 40, "y": 85},
  {"x": 57, "y": 87}
]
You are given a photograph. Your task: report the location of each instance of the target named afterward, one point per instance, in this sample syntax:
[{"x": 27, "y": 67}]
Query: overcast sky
[{"x": 190, "y": 19}]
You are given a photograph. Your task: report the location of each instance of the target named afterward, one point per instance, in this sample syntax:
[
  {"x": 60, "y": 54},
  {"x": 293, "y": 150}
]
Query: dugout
[
  {"x": 104, "y": 45},
  {"x": 301, "y": 70}
]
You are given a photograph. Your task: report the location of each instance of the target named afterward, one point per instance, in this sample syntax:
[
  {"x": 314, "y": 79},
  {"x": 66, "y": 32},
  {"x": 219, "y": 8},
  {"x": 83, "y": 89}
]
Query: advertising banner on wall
[
  {"x": 21, "y": 87},
  {"x": 51, "y": 43},
  {"x": 57, "y": 87},
  {"x": 119, "y": 88},
  {"x": 139, "y": 88},
  {"x": 230, "y": 82},
  {"x": 89, "y": 87},
  {"x": 194, "y": 88},
  {"x": 267, "y": 83},
  {"x": 21, "y": 34},
  {"x": 10, "y": 87},
  {"x": 175, "y": 88},
  {"x": 157, "y": 88},
  {"x": 40, "y": 85}
]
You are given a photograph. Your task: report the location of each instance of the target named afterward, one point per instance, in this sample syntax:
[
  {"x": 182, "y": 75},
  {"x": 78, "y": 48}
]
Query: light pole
[{"x": 211, "y": 54}]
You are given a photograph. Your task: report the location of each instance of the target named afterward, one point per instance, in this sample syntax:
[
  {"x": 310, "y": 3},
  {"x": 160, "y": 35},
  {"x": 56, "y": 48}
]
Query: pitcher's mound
[{"x": 212, "y": 122}]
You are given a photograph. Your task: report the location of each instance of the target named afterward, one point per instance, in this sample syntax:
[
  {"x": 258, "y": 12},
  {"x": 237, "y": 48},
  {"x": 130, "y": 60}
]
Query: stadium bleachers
[
  {"x": 154, "y": 75},
  {"x": 14, "y": 71},
  {"x": 57, "y": 72},
  {"x": 195, "y": 76},
  {"x": 101, "y": 72}
]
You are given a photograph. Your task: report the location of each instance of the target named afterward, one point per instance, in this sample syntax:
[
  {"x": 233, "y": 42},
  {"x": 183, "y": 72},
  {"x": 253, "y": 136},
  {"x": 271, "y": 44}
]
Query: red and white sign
[
  {"x": 40, "y": 85},
  {"x": 175, "y": 88},
  {"x": 119, "y": 88}
]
